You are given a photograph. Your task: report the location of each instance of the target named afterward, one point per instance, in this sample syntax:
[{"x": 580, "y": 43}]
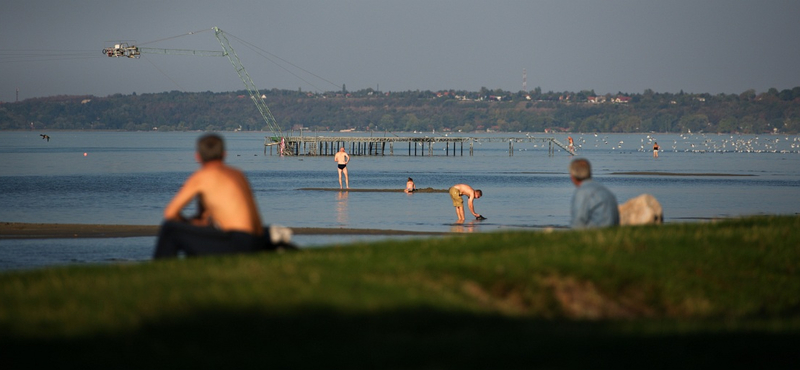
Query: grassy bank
[{"x": 672, "y": 296}]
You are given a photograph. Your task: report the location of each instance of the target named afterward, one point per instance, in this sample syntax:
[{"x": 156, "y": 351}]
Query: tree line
[{"x": 447, "y": 110}]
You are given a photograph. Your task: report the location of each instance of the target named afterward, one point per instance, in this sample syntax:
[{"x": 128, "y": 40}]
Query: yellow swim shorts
[{"x": 456, "y": 195}]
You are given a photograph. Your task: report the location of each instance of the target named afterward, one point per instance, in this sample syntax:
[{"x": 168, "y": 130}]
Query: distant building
[
  {"x": 596, "y": 99},
  {"x": 621, "y": 99}
]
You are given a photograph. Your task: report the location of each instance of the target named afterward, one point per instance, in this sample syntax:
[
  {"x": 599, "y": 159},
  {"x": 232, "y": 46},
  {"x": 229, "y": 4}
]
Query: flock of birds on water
[
  {"x": 702, "y": 143},
  {"x": 688, "y": 142},
  {"x": 693, "y": 143}
]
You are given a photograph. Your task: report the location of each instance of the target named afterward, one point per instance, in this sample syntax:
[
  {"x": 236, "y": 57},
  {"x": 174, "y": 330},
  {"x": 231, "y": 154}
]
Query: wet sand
[{"x": 19, "y": 230}]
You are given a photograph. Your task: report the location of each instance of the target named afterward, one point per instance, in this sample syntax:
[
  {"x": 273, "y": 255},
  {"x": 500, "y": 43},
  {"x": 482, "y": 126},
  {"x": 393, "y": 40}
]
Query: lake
[{"x": 128, "y": 177}]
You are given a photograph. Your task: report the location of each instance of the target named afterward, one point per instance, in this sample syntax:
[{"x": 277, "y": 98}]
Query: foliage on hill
[{"x": 495, "y": 110}]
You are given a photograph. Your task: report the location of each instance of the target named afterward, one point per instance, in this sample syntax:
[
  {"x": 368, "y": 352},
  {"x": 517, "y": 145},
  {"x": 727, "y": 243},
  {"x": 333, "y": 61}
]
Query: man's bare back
[
  {"x": 226, "y": 196},
  {"x": 228, "y": 221},
  {"x": 342, "y": 158}
]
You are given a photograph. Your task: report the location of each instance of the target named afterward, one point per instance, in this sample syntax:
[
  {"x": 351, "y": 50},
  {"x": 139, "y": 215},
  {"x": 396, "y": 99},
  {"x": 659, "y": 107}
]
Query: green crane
[
  {"x": 124, "y": 50},
  {"x": 257, "y": 98}
]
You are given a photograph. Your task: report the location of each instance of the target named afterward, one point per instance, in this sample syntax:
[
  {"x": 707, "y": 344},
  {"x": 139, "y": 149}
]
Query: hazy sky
[{"x": 715, "y": 46}]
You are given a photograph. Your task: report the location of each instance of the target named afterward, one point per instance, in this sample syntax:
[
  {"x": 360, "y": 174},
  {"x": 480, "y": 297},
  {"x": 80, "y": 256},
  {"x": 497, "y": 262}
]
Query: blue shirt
[{"x": 594, "y": 206}]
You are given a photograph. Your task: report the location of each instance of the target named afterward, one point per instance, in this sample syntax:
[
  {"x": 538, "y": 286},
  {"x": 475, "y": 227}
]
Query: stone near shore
[{"x": 642, "y": 210}]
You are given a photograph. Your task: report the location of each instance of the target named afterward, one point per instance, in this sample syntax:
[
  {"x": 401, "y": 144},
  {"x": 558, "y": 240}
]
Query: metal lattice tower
[{"x": 250, "y": 85}]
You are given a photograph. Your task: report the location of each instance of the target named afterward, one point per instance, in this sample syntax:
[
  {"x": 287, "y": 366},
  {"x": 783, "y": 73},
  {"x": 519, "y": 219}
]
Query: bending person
[{"x": 459, "y": 190}]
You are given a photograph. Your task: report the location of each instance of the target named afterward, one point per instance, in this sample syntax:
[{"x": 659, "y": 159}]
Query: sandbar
[
  {"x": 423, "y": 190},
  {"x": 20, "y": 230}
]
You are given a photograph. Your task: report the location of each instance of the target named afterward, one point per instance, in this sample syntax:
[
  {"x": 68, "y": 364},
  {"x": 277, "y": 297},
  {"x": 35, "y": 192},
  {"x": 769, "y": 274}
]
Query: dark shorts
[
  {"x": 176, "y": 237},
  {"x": 342, "y": 166}
]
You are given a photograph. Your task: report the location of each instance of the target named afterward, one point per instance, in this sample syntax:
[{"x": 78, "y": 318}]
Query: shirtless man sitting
[
  {"x": 228, "y": 221},
  {"x": 456, "y": 191},
  {"x": 342, "y": 159}
]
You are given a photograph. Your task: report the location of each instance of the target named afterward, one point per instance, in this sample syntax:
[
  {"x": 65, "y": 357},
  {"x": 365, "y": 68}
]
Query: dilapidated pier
[{"x": 377, "y": 146}]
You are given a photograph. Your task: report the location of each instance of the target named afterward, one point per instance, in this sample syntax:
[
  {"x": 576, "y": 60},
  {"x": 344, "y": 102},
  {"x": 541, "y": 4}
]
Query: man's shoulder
[
  {"x": 589, "y": 186},
  {"x": 218, "y": 170},
  {"x": 592, "y": 188}
]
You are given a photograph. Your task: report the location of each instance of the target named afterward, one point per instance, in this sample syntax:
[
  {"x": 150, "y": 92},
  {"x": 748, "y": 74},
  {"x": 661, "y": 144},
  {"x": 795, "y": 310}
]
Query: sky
[{"x": 50, "y": 48}]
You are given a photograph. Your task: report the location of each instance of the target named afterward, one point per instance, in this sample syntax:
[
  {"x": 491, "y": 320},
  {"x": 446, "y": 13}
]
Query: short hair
[
  {"x": 580, "y": 169},
  {"x": 210, "y": 147},
  {"x": 478, "y": 192},
  {"x": 409, "y": 179}
]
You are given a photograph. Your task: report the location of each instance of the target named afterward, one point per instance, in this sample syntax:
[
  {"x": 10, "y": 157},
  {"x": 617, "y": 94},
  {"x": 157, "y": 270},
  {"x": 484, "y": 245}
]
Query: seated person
[
  {"x": 410, "y": 186},
  {"x": 228, "y": 219},
  {"x": 592, "y": 204}
]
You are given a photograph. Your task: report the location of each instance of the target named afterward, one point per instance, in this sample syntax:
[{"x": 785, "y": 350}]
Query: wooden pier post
[{"x": 369, "y": 146}]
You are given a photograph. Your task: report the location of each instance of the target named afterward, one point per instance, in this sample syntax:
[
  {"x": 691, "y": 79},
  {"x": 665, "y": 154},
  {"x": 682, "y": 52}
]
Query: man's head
[
  {"x": 210, "y": 147},
  {"x": 478, "y": 193},
  {"x": 580, "y": 170},
  {"x": 341, "y": 149}
]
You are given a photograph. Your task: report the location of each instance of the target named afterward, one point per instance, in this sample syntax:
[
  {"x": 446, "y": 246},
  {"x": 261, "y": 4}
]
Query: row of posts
[
  {"x": 430, "y": 148},
  {"x": 379, "y": 148},
  {"x": 368, "y": 148},
  {"x": 356, "y": 148}
]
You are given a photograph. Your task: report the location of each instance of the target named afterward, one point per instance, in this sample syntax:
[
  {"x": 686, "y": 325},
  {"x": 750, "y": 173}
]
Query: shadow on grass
[{"x": 416, "y": 338}]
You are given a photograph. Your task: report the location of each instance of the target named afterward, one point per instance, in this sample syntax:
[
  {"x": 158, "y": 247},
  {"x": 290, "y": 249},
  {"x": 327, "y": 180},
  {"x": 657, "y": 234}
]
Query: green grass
[{"x": 695, "y": 295}]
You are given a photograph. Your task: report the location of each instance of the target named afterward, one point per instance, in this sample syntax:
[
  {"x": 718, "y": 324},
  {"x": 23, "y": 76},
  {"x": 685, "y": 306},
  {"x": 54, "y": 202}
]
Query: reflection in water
[
  {"x": 341, "y": 207},
  {"x": 460, "y": 227}
]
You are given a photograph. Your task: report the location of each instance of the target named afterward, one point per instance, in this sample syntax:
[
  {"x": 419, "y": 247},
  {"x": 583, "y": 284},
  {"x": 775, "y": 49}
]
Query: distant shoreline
[{"x": 21, "y": 230}]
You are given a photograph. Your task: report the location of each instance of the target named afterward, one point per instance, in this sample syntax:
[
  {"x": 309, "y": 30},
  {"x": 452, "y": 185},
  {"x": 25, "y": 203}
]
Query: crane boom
[
  {"x": 131, "y": 51},
  {"x": 202, "y": 53},
  {"x": 249, "y": 84}
]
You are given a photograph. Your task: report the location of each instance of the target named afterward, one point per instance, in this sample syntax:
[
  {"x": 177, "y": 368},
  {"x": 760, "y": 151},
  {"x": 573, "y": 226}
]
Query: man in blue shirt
[{"x": 592, "y": 204}]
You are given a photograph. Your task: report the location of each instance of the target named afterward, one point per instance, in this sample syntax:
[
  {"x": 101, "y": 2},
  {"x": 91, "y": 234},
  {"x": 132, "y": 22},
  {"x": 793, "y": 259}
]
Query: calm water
[{"x": 127, "y": 178}]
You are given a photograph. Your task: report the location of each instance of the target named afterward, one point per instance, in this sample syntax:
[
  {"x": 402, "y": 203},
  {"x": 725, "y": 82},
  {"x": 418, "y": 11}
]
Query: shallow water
[{"x": 127, "y": 178}]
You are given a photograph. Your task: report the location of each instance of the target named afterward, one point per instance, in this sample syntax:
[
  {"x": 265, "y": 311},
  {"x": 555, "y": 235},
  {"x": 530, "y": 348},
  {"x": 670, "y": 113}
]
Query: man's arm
[
  {"x": 181, "y": 199},
  {"x": 471, "y": 207}
]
